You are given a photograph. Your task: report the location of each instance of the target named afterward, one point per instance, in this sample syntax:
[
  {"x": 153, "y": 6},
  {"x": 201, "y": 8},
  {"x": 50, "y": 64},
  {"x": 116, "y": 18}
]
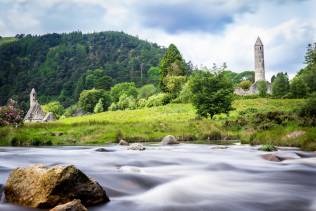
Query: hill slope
[{"x": 56, "y": 64}]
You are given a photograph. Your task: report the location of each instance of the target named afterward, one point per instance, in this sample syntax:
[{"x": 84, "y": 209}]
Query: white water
[{"x": 183, "y": 177}]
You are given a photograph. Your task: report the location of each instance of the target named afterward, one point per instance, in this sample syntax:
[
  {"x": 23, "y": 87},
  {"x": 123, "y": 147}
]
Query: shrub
[
  {"x": 54, "y": 107},
  {"x": 158, "y": 100},
  {"x": 10, "y": 115},
  {"x": 126, "y": 102},
  {"x": 70, "y": 110},
  {"x": 280, "y": 85},
  {"x": 185, "y": 95},
  {"x": 89, "y": 98},
  {"x": 212, "y": 94},
  {"x": 129, "y": 89},
  {"x": 98, "y": 107},
  {"x": 174, "y": 84},
  {"x": 146, "y": 91},
  {"x": 245, "y": 85},
  {"x": 268, "y": 148},
  {"x": 309, "y": 109}
]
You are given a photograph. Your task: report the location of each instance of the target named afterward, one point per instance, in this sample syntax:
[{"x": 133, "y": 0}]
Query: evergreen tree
[{"x": 172, "y": 64}]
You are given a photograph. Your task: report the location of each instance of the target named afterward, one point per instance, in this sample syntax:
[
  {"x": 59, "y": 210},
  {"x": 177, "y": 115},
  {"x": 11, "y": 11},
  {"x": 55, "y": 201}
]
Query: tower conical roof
[{"x": 258, "y": 42}]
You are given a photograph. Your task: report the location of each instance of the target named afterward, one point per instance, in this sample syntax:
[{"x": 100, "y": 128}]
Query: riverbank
[{"x": 180, "y": 120}]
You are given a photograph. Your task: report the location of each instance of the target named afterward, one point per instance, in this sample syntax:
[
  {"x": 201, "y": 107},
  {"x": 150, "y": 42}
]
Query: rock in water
[
  {"x": 136, "y": 146},
  {"x": 74, "y": 205},
  {"x": 169, "y": 140},
  {"x": 123, "y": 142},
  {"x": 38, "y": 186},
  {"x": 104, "y": 150}
]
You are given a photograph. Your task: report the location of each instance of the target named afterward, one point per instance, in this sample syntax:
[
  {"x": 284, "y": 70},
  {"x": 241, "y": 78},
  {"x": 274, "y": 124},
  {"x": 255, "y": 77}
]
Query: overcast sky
[{"x": 205, "y": 31}]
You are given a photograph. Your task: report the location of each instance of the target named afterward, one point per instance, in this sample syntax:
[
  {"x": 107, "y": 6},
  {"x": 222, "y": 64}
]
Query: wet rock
[
  {"x": 136, "y": 146},
  {"x": 123, "y": 142},
  {"x": 295, "y": 134},
  {"x": 104, "y": 150},
  {"x": 169, "y": 140},
  {"x": 271, "y": 157},
  {"x": 39, "y": 186},
  {"x": 1, "y": 191},
  {"x": 74, "y": 205}
]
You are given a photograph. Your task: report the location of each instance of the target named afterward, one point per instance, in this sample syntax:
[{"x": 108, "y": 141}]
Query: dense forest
[{"x": 60, "y": 66}]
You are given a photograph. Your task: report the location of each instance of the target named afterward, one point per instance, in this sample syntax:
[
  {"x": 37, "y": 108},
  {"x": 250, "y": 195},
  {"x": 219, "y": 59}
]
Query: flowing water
[{"x": 183, "y": 177}]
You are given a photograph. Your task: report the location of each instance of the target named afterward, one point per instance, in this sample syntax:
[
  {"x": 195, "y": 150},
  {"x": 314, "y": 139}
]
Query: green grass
[
  {"x": 151, "y": 124},
  {"x": 4, "y": 40}
]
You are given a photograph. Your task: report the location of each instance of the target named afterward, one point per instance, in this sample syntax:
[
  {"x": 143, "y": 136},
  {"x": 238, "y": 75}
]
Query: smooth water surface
[{"x": 182, "y": 177}]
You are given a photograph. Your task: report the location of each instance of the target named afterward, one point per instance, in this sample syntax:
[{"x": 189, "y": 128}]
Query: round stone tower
[
  {"x": 259, "y": 61},
  {"x": 33, "y": 99}
]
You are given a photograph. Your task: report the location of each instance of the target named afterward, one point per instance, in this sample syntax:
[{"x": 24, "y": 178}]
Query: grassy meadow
[{"x": 151, "y": 124}]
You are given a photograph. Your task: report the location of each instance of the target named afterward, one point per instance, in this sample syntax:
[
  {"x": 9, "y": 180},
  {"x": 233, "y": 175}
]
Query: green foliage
[
  {"x": 54, "y": 107},
  {"x": 212, "y": 93},
  {"x": 245, "y": 85},
  {"x": 129, "y": 89},
  {"x": 89, "y": 98},
  {"x": 262, "y": 88},
  {"x": 158, "y": 100},
  {"x": 309, "y": 108},
  {"x": 280, "y": 85},
  {"x": 172, "y": 64},
  {"x": 268, "y": 148},
  {"x": 174, "y": 84},
  {"x": 154, "y": 75},
  {"x": 236, "y": 78},
  {"x": 185, "y": 95},
  {"x": 298, "y": 88},
  {"x": 99, "y": 107},
  {"x": 57, "y": 65},
  {"x": 70, "y": 110},
  {"x": 147, "y": 91}
]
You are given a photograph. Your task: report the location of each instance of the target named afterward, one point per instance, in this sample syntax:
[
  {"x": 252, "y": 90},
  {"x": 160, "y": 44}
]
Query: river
[{"x": 182, "y": 177}]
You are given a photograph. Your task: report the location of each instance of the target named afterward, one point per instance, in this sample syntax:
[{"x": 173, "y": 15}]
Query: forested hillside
[{"x": 60, "y": 66}]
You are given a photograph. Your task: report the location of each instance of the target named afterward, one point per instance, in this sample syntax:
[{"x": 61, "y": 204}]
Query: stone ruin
[{"x": 36, "y": 113}]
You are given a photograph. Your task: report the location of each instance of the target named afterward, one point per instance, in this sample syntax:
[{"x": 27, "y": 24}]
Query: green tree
[
  {"x": 174, "y": 84},
  {"x": 185, "y": 95},
  {"x": 309, "y": 109},
  {"x": 129, "y": 89},
  {"x": 154, "y": 75},
  {"x": 172, "y": 64},
  {"x": 55, "y": 107},
  {"x": 245, "y": 85},
  {"x": 280, "y": 85},
  {"x": 98, "y": 108},
  {"x": 298, "y": 88},
  {"x": 89, "y": 98},
  {"x": 262, "y": 88},
  {"x": 212, "y": 93},
  {"x": 146, "y": 91}
]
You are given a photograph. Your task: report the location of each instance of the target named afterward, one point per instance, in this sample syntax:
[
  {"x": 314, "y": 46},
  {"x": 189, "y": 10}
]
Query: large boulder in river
[
  {"x": 136, "y": 146},
  {"x": 74, "y": 205},
  {"x": 39, "y": 186},
  {"x": 169, "y": 140}
]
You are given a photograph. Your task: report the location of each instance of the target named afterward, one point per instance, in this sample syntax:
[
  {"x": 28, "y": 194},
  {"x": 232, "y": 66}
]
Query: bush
[
  {"x": 129, "y": 89},
  {"x": 146, "y": 91},
  {"x": 158, "y": 100},
  {"x": 89, "y": 98},
  {"x": 10, "y": 115},
  {"x": 185, "y": 95},
  {"x": 54, "y": 107},
  {"x": 174, "y": 84},
  {"x": 212, "y": 93},
  {"x": 309, "y": 109},
  {"x": 245, "y": 85},
  {"x": 126, "y": 102},
  {"x": 98, "y": 107},
  {"x": 70, "y": 110},
  {"x": 268, "y": 148}
]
